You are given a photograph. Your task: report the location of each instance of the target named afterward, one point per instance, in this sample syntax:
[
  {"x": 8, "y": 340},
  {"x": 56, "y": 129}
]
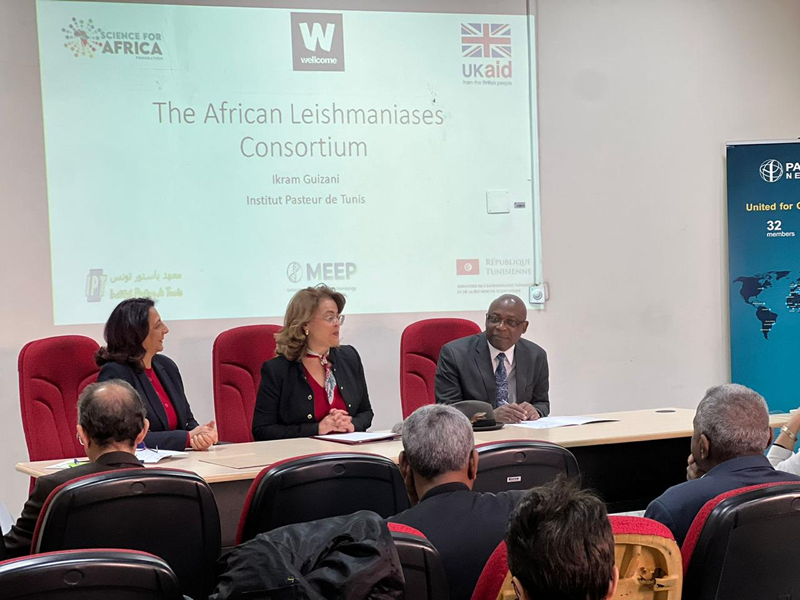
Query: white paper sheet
[{"x": 552, "y": 422}]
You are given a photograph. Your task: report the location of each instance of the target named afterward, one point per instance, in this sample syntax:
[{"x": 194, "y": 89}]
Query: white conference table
[{"x": 629, "y": 461}]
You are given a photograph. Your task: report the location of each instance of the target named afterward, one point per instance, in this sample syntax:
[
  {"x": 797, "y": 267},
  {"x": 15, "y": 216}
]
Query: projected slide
[{"x": 218, "y": 159}]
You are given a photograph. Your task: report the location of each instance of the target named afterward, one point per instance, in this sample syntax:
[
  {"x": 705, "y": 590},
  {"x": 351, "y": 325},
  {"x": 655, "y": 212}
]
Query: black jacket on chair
[
  {"x": 167, "y": 372},
  {"x": 285, "y": 401},
  {"x": 351, "y": 557}
]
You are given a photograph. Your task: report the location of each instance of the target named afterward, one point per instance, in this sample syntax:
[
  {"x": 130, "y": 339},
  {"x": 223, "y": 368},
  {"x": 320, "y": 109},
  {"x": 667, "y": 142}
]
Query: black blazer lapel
[
  {"x": 154, "y": 402},
  {"x": 174, "y": 394},
  {"x": 483, "y": 362}
]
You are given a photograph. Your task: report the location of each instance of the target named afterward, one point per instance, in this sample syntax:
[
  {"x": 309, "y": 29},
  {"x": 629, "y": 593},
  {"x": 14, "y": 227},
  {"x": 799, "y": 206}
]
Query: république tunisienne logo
[{"x": 84, "y": 39}]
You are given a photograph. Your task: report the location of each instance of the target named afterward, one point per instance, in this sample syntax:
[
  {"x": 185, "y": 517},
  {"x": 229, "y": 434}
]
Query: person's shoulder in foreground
[
  {"x": 731, "y": 433},
  {"x": 560, "y": 545},
  {"x": 111, "y": 423},
  {"x": 439, "y": 464}
]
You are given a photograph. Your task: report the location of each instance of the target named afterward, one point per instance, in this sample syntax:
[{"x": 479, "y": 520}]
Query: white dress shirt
[
  {"x": 784, "y": 460},
  {"x": 510, "y": 371}
]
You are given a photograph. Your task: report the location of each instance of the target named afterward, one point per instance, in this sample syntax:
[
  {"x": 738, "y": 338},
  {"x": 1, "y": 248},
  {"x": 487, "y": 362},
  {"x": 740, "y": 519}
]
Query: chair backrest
[
  {"x": 648, "y": 560},
  {"x": 237, "y": 356},
  {"x": 422, "y": 565},
  {"x": 521, "y": 465},
  {"x": 742, "y": 544},
  {"x": 52, "y": 374},
  {"x": 166, "y": 512},
  {"x": 319, "y": 486},
  {"x": 96, "y": 574},
  {"x": 494, "y": 582},
  {"x": 420, "y": 345}
]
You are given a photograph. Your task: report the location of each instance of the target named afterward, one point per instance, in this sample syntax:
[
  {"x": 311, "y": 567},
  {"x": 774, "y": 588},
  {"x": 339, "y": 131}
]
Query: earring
[{"x": 306, "y": 332}]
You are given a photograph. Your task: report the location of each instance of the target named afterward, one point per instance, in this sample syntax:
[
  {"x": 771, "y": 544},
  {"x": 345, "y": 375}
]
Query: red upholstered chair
[
  {"x": 52, "y": 374},
  {"x": 238, "y": 355},
  {"x": 96, "y": 574},
  {"x": 521, "y": 465},
  {"x": 495, "y": 580},
  {"x": 648, "y": 560},
  {"x": 419, "y": 352},
  {"x": 167, "y": 512},
  {"x": 743, "y": 545},
  {"x": 318, "y": 486},
  {"x": 422, "y": 565}
]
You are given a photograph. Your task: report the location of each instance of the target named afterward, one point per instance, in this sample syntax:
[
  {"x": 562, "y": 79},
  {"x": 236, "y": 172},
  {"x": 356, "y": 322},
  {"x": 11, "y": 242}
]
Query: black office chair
[
  {"x": 88, "y": 575},
  {"x": 422, "y": 565},
  {"x": 521, "y": 465},
  {"x": 166, "y": 512},
  {"x": 319, "y": 486},
  {"x": 743, "y": 545}
]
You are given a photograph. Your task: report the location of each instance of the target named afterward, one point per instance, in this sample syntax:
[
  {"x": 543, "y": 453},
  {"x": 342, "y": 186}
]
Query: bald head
[
  {"x": 111, "y": 412},
  {"x": 506, "y": 321}
]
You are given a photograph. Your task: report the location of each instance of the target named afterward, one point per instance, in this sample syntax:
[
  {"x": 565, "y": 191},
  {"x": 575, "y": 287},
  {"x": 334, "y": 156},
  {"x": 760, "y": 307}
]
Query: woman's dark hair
[{"x": 126, "y": 330}]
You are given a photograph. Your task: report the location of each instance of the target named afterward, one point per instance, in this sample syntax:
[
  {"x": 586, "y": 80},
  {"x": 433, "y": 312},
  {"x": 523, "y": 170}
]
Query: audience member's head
[
  {"x": 111, "y": 417},
  {"x": 731, "y": 421},
  {"x": 560, "y": 545},
  {"x": 438, "y": 448}
]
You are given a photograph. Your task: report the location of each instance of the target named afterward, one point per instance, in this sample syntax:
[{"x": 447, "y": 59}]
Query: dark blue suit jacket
[{"x": 677, "y": 507}]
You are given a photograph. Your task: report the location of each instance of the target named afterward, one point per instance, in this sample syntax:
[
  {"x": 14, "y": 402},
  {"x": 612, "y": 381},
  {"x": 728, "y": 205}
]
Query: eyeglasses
[
  {"x": 331, "y": 319},
  {"x": 510, "y": 323}
]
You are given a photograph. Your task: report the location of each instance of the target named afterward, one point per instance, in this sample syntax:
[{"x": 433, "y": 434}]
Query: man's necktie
[{"x": 501, "y": 380}]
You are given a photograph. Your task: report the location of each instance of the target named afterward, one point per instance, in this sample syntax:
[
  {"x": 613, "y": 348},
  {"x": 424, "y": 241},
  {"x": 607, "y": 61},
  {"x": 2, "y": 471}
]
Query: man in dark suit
[
  {"x": 439, "y": 464},
  {"x": 731, "y": 433},
  {"x": 497, "y": 366},
  {"x": 111, "y": 423}
]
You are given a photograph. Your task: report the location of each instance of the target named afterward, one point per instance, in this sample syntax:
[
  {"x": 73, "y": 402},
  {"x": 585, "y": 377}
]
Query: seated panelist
[
  {"x": 134, "y": 337},
  {"x": 497, "y": 366},
  {"x": 313, "y": 386}
]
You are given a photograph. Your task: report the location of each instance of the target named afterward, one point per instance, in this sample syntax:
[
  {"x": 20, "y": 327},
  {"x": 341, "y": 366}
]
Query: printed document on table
[{"x": 553, "y": 422}]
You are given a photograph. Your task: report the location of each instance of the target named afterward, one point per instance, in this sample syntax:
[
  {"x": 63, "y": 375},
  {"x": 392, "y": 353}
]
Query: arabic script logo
[{"x": 83, "y": 38}]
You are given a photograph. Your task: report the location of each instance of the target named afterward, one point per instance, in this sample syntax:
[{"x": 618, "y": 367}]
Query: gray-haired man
[
  {"x": 731, "y": 433},
  {"x": 439, "y": 464}
]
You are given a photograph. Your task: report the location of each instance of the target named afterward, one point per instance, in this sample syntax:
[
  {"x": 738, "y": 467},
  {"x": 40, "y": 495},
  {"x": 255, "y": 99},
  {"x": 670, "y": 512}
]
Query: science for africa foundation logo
[{"x": 83, "y": 38}]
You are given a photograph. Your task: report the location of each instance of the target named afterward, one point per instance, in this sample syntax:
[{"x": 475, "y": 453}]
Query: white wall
[{"x": 636, "y": 101}]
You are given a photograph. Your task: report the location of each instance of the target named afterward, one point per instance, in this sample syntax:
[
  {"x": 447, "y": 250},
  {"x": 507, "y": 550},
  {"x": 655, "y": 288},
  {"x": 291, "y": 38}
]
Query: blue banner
[{"x": 764, "y": 269}]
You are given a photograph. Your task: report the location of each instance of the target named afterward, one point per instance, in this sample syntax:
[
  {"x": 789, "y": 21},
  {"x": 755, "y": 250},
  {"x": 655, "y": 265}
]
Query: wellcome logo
[
  {"x": 84, "y": 39},
  {"x": 771, "y": 170},
  {"x": 317, "y": 42}
]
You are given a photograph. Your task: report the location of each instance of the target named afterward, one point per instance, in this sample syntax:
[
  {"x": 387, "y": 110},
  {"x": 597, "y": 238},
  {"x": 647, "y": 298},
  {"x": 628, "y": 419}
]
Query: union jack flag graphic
[{"x": 486, "y": 40}]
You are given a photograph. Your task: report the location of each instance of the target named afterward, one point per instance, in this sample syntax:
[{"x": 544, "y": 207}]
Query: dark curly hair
[
  {"x": 126, "y": 330},
  {"x": 560, "y": 543}
]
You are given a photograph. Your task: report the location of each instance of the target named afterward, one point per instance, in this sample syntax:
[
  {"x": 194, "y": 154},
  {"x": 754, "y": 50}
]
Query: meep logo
[{"x": 317, "y": 42}]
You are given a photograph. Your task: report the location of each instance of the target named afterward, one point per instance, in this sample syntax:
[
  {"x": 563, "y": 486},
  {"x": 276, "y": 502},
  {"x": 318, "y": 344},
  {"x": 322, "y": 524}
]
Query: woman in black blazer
[
  {"x": 314, "y": 386},
  {"x": 134, "y": 336}
]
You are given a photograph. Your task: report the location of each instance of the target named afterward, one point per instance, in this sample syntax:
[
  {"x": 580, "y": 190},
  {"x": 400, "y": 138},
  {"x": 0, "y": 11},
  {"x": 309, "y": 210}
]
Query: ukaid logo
[
  {"x": 84, "y": 39},
  {"x": 486, "y": 53},
  {"x": 317, "y": 42}
]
